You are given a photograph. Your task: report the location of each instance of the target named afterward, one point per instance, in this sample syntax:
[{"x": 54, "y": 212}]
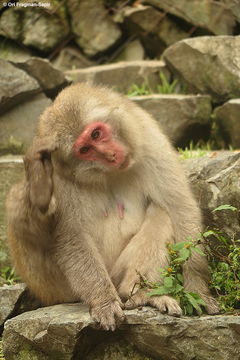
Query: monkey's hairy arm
[{"x": 61, "y": 268}]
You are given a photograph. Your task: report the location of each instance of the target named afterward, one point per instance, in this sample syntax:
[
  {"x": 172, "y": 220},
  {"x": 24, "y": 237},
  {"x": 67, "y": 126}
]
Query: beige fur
[{"x": 80, "y": 247}]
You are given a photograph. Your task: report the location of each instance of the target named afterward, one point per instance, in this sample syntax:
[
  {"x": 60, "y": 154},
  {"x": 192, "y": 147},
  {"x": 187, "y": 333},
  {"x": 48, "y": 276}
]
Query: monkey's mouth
[{"x": 125, "y": 163}]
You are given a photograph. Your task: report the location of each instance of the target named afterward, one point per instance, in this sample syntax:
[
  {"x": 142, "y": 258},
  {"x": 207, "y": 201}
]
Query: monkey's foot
[
  {"x": 108, "y": 315},
  {"x": 211, "y": 304},
  {"x": 165, "y": 304}
]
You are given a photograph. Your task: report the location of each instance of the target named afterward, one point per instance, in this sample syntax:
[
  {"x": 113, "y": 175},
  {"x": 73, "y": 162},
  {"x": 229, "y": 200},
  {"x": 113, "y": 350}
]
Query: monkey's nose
[{"x": 110, "y": 156}]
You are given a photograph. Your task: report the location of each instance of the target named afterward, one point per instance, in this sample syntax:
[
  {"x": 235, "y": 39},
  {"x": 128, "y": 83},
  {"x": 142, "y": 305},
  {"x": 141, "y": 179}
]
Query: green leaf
[
  {"x": 225, "y": 207},
  {"x": 189, "y": 309},
  {"x": 194, "y": 303},
  {"x": 178, "y": 246},
  {"x": 184, "y": 253},
  {"x": 178, "y": 288},
  {"x": 199, "y": 300},
  {"x": 208, "y": 233},
  {"x": 160, "y": 291},
  {"x": 168, "y": 281},
  {"x": 180, "y": 278}
]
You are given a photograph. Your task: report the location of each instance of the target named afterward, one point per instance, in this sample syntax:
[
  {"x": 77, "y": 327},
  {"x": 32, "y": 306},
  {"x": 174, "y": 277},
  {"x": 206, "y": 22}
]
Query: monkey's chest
[{"x": 114, "y": 221}]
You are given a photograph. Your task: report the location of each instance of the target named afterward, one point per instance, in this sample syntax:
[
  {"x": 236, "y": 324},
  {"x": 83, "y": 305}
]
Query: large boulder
[
  {"x": 11, "y": 171},
  {"x": 15, "y": 86},
  {"x": 182, "y": 117},
  {"x": 70, "y": 58},
  {"x": 95, "y": 31},
  {"x": 215, "y": 181},
  {"x": 66, "y": 332},
  {"x": 155, "y": 29},
  {"x": 227, "y": 117},
  {"x": 212, "y": 15},
  {"x": 50, "y": 79},
  {"x": 9, "y": 296},
  {"x": 35, "y": 26},
  {"x": 208, "y": 64},
  {"x": 233, "y": 6},
  {"x": 11, "y": 51},
  {"x": 14, "y": 300},
  {"x": 122, "y": 75},
  {"x": 132, "y": 51},
  {"x": 17, "y": 126}
]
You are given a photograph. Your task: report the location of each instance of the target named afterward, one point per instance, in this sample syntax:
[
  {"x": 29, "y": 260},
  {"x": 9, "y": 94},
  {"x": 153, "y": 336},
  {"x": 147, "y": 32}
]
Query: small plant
[
  {"x": 136, "y": 90},
  {"x": 194, "y": 151},
  {"x": 224, "y": 262},
  {"x": 172, "y": 278},
  {"x": 8, "y": 276},
  {"x": 166, "y": 87}
]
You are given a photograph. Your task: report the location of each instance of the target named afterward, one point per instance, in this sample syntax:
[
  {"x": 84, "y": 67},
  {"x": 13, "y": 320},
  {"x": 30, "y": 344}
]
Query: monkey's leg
[
  {"x": 196, "y": 278},
  {"x": 83, "y": 267},
  {"x": 144, "y": 255}
]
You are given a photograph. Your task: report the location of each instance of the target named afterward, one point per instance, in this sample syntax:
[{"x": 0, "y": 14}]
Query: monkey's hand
[
  {"x": 38, "y": 168},
  {"x": 109, "y": 315}
]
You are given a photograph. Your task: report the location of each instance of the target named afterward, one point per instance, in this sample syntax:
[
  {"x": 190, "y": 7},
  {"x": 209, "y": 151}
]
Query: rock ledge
[{"x": 67, "y": 332}]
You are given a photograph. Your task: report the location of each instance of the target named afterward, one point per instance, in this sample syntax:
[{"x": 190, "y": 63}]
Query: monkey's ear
[{"x": 39, "y": 169}]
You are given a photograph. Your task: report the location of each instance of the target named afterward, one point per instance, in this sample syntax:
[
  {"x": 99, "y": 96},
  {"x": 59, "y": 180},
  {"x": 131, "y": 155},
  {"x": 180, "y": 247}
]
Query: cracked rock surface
[{"x": 67, "y": 332}]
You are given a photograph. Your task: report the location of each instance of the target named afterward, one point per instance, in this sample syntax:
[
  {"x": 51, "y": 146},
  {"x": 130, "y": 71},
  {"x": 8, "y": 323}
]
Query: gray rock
[
  {"x": 133, "y": 51},
  {"x": 215, "y": 181},
  {"x": 182, "y": 117},
  {"x": 227, "y": 116},
  {"x": 9, "y": 296},
  {"x": 17, "y": 126},
  {"x": 70, "y": 58},
  {"x": 11, "y": 171},
  {"x": 14, "y": 300},
  {"x": 15, "y": 86},
  {"x": 121, "y": 76},
  {"x": 233, "y": 6},
  {"x": 50, "y": 79},
  {"x": 156, "y": 29},
  {"x": 34, "y": 26},
  {"x": 67, "y": 332},
  {"x": 94, "y": 29},
  {"x": 11, "y": 51},
  {"x": 208, "y": 64},
  {"x": 211, "y": 14}
]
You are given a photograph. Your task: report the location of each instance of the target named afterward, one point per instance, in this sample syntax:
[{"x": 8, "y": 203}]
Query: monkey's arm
[
  {"x": 89, "y": 280},
  {"x": 30, "y": 204},
  {"x": 144, "y": 255}
]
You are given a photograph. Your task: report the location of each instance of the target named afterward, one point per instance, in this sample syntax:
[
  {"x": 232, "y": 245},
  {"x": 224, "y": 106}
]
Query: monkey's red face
[{"x": 96, "y": 143}]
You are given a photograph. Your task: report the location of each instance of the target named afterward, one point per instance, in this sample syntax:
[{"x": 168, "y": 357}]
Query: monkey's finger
[
  {"x": 119, "y": 316},
  {"x": 165, "y": 304},
  {"x": 135, "y": 301}
]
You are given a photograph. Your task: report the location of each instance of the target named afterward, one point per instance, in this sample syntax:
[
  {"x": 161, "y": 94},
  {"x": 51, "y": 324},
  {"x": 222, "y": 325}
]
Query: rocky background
[{"x": 180, "y": 60}]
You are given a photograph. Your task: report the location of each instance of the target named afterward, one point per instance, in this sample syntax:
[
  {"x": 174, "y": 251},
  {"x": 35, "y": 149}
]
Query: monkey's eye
[
  {"x": 95, "y": 134},
  {"x": 84, "y": 149}
]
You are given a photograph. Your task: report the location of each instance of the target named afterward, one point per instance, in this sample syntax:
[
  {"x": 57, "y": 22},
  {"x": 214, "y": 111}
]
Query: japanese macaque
[{"x": 102, "y": 195}]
